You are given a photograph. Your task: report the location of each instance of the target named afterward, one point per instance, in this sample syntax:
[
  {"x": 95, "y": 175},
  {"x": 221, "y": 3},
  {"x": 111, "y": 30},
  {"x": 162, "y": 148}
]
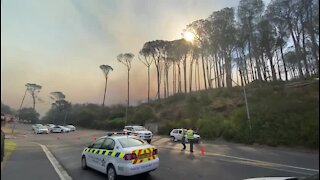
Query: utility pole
[
  {"x": 247, "y": 106},
  {"x": 246, "y": 102}
]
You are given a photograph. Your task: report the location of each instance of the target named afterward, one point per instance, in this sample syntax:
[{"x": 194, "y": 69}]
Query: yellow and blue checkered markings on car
[{"x": 105, "y": 152}]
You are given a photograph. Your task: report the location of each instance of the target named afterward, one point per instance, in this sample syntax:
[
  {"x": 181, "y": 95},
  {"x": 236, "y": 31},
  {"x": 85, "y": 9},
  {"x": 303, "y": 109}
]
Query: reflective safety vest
[{"x": 190, "y": 134}]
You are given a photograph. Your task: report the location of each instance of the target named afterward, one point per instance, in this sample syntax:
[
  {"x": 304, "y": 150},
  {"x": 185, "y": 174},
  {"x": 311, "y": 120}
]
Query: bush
[
  {"x": 142, "y": 115},
  {"x": 236, "y": 127},
  {"x": 166, "y": 127},
  {"x": 211, "y": 126},
  {"x": 116, "y": 124}
]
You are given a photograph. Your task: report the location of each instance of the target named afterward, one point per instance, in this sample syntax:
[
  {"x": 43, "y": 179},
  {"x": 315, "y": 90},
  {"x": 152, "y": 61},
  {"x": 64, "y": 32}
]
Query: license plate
[{"x": 142, "y": 156}]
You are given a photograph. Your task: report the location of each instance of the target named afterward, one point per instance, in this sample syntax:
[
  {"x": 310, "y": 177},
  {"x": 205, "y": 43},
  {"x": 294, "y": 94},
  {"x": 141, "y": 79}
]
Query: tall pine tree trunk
[
  {"x": 204, "y": 72},
  {"x": 284, "y": 64}
]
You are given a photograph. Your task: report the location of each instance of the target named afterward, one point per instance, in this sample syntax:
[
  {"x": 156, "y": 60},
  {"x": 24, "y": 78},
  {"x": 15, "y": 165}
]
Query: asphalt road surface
[{"x": 221, "y": 160}]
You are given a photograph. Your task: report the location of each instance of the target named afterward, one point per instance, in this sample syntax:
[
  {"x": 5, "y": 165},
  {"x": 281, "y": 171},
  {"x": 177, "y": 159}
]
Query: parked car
[
  {"x": 139, "y": 131},
  {"x": 71, "y": 127},
  {"x": 60, "y": 129},
  {"x": 41, "y": 130},
  {"x": 176, "y": 135},
  {"x": 50, "y": 127},
  {"x": 35, "y": 125}
]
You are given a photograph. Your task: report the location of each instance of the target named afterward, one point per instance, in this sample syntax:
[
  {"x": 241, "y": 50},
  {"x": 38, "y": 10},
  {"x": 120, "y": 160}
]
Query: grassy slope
[
  {"x": 9, "y": 147},
  {"x": 279, "y": 115}
]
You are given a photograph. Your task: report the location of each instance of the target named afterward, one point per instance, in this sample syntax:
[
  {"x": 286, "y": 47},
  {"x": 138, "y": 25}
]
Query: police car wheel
[
  {"x": 111, "y": 173},
  {"x": 84, "y": 163}
]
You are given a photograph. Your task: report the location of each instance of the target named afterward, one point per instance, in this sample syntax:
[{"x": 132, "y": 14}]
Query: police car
[{"x": 120, "y": 154}]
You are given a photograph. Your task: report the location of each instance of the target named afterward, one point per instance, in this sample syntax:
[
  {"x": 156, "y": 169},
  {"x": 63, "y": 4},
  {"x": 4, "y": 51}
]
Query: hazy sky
[{"x": 59, "y": 44}]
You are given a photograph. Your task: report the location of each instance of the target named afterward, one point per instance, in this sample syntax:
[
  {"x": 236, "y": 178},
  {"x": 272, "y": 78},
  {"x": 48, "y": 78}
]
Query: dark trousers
[
  {"x": 183, "y": 142},
  {"x": 191, "y": 144}
]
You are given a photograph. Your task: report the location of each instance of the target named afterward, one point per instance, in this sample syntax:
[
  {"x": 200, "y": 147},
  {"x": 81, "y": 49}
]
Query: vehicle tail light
[
  {"x": 155, "y": 152},
  {"x": 130, "y": 156}
]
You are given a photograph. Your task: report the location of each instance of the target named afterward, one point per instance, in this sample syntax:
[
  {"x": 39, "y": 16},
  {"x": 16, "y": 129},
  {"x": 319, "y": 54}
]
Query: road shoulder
[{"x": 28, "y": 161}]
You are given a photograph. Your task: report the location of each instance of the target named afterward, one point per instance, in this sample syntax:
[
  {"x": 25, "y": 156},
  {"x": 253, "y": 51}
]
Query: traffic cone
[
  {"x": 202, "y": 150},
  {"x": 94, "y": 137}
]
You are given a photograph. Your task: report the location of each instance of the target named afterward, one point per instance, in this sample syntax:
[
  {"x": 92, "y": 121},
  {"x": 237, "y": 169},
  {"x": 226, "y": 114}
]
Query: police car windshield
[{"x": 130, "y": 142}]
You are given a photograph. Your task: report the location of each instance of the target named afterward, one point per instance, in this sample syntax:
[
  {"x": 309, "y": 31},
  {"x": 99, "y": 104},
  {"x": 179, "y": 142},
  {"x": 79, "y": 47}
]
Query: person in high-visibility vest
[
  {"x": 190, "y": 139},
  {"x": 183, "y": 140}
]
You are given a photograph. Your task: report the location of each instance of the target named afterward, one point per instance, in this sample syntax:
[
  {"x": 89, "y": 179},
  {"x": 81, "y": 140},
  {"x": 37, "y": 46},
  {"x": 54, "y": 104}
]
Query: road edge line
[
  {"x": 56, "y": 165},
  {"x": 251, "y": 160}
]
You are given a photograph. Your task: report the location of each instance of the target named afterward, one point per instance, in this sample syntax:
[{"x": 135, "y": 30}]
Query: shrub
[
  {"x": 142, "y": 115},
  {"x": 211, "y": 126}
]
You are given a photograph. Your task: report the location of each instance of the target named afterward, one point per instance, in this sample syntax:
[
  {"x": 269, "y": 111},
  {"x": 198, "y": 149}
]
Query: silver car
[
  {"x": 60, "y": 129},
  {"x": 41, "y": 130},
  {"x": 71, "y": 127}
]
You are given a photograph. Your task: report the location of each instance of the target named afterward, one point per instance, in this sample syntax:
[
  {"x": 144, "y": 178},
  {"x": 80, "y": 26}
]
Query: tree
[
  {"x": 126, "y": 60},
  {"x": 288, "y": 12},
  {"x": 147, "y": 61},
  {"x": 184, "y": 48},
  {"x": 106, "y": 70},
  {"x": 177, "y": 51},
  {"x": 195, "y": 54},
  {"x": 29, "y": 114},
  {"x": 223, "y": 33},
  {"x": 249, "y": 12},
  {"x": 267, "y": 38},
  {"x": 33, "y": 89},
  {"x": 198, "y": 29},
  {"x": 60, "y": 104},
  {"x": 158, "y": 49},
  {"x": 6, "y": 109}
]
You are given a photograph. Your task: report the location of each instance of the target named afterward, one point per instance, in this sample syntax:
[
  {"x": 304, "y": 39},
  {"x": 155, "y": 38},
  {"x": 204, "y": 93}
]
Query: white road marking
[
  {"x": 252, "y": 161},
  {"x": 56, "y": 165}
]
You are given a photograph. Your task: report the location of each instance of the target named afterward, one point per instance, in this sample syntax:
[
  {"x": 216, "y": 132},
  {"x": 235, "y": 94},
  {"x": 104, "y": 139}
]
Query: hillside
[{"x": 280, "y": 114}]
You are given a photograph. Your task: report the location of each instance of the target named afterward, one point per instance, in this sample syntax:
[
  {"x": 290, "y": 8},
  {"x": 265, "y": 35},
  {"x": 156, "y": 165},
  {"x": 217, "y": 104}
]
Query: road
[{"x": 227, "y": 161}]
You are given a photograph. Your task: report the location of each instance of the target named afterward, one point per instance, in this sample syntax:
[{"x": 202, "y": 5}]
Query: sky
[{"x": 60, "y": 44}]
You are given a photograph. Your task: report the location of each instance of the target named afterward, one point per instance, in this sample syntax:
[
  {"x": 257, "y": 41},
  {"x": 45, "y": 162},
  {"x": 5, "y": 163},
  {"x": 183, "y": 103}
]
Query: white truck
[{"x": 139, "y": 131}]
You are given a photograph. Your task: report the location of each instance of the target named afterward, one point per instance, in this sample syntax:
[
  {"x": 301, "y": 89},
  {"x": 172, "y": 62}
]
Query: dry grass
[{"x": 9, "y": 147}]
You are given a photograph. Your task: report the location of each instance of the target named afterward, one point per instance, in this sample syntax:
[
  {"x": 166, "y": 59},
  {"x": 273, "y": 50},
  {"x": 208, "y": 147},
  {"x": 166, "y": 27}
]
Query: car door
[
  {"x": 105, "y": 154},
  {"x": 92, "y": 156}
]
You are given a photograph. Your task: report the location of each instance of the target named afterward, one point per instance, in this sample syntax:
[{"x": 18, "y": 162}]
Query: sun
[{"x": 188, "y": 36}]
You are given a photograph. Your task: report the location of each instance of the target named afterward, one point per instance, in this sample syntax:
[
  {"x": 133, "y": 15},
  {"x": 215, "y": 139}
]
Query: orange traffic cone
[{"x": 202, "y": 150}]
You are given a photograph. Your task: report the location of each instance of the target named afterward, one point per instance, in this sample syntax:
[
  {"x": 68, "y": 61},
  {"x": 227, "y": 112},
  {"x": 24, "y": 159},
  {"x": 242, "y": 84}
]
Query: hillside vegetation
[{"x": 280, "y": 115}]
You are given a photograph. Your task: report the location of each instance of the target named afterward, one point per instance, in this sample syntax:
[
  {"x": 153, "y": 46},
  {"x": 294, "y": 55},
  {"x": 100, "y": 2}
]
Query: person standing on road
[
  {"x": 183, "y": 139},
  {"x": 190, "y": 139}
]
